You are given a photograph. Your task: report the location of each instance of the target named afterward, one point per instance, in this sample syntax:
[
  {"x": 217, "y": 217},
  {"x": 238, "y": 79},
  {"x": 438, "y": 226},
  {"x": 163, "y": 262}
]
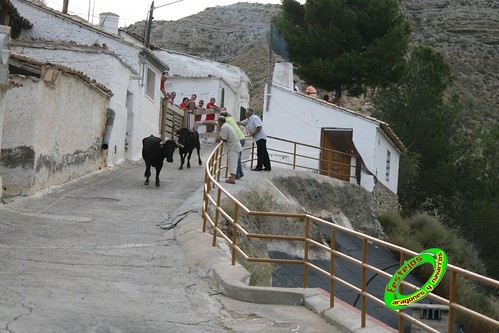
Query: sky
[{"x": 131, "y": 11}]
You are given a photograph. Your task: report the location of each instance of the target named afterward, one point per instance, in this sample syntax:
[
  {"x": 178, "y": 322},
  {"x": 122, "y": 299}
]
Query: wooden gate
[
  {"x": 336, "y": 153},
  {"x": 171, "y": 118}
]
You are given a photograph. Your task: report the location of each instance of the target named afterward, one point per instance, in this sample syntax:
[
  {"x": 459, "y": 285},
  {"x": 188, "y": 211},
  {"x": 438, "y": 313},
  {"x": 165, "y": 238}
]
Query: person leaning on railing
[
  {"x": 254, "y": 125},
  {"x": 242, "y": 140},
  {"x": 310, "y": 91},
  {"x": 233, "y": 147}
]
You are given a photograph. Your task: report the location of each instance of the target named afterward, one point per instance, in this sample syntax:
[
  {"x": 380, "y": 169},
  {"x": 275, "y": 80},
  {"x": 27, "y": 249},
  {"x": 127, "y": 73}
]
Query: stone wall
[
  {"x": 52, "y": 132},
  {"x": 384, "y": 200}
]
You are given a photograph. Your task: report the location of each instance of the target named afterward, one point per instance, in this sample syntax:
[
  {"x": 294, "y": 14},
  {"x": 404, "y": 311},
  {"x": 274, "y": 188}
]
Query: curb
[{"x": 233, "y": 281}]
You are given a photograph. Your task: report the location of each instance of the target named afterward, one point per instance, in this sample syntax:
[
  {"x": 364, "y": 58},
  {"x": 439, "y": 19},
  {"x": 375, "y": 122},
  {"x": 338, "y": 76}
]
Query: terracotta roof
[
  {"x": 155, "y": 59},
  {"x": 38, "y": 65},
  {"x": 76, "y": 19},
  {"x": 384, "y": 126},
  {"x": 17, "y": 21}
]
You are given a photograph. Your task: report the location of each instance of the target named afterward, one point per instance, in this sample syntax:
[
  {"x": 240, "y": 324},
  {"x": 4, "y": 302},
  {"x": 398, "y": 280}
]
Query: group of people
[
  {"x": 234, "y": 139},
  {"x": 310, "y": 91},
  {"x": 230, "y": 131},
  {"x": 190, "y": 106}
]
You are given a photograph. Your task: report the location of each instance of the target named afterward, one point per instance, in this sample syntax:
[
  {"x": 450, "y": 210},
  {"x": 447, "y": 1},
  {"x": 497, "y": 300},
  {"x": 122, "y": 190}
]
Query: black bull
[
  {"x": 154, "y": 152},
  {"x": 189, "y": 140}
]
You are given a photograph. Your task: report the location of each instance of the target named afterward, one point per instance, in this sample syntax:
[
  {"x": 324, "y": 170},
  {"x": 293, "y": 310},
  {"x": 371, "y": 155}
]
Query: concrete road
[{"x": 90, "y": 256}]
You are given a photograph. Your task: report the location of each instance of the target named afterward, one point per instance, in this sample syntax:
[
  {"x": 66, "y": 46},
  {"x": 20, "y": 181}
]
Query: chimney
[
  {"x": 283, "y": 74},
  {"x": 109, "y": 22}
]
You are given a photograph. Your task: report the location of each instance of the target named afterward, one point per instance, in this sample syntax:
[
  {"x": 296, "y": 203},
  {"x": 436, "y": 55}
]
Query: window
[
  {"x": 388, "y": 158},
  {"x": 151, "y": 83},
  {"x": 242, "y": 113},
  {"x": 222, "y": 100}
]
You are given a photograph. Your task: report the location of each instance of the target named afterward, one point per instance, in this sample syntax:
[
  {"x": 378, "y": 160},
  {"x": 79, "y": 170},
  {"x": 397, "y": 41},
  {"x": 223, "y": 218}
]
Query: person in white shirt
[
  {"x": 254, "y": 125},
  {"x": 295, "y": 86},
  {"x": 231, "y": 145}
]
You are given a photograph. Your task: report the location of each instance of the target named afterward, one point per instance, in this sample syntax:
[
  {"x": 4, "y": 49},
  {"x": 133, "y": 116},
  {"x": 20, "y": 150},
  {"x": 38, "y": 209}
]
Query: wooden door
[{"x": 336, "y": 153}]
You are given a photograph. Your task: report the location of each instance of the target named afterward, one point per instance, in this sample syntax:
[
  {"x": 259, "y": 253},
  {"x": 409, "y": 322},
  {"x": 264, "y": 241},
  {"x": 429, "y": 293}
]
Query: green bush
[
  {"x": 429, "y": 233},
  {"x": 390, "y": 223},
  {"x": 476, "y": 300},
  {"x": 423, "y": 231}
]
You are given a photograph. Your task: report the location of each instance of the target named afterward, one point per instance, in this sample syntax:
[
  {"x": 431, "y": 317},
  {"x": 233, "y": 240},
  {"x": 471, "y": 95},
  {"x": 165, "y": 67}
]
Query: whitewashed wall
[
  {"x": 188, "y": 70},
  {"x": 106, "y": 69},
  {"x": 205, "y": 88},
  {"x": 382, "y": 146},
  {"x": 146, "y": 113},
  {"x": 2, "y": 112},
  {"x": 4, "y": 78},
  {"x": 115, "y": 69},
  {"x": 49, "y": 25},
  {"x": 52, "y": 136},
  {"x": 299, "y": 118}
]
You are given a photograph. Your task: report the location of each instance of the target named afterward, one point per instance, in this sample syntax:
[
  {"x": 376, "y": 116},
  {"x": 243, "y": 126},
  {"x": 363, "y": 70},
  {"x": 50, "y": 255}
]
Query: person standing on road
[
  {"x": 229, "y": 137},
  {"x": 254, "y": 125},
  {"x": 242, "y": 140}
]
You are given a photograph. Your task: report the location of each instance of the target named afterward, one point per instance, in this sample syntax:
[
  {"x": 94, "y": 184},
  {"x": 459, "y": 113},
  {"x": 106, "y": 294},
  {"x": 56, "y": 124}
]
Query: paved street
[{"x": 89, "y": 256}]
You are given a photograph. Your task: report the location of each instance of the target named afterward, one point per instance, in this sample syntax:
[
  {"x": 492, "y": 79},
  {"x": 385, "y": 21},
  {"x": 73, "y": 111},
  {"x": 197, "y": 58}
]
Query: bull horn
[{"x": 179, "y": 145}]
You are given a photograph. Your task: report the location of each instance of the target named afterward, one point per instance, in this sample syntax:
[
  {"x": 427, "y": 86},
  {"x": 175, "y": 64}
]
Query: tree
[
  {"x": 345, "y": 44},
  {"x": 447, "y": 170},
  {"x": 415, "y": 109},
  {"x": 476, "y": 204}
]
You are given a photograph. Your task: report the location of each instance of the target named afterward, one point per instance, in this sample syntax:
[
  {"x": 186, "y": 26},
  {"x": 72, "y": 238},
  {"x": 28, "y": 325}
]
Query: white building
[
  {"x": 373, "y": 147},
  {"x": 228, "y": 84},
  {"x": 131, "y": 71},
  {"x": 48, "y": 136}
]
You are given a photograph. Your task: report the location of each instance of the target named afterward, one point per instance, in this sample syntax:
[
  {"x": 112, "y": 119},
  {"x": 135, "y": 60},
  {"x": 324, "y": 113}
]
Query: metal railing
[
  {"x": 297, "y": 155},
  {"x": 214, "y": 214}
]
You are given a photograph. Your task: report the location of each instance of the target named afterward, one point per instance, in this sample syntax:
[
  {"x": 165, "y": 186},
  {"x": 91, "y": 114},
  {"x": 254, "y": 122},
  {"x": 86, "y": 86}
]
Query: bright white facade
[
  {"x": 206, "y": 78},
  {"x": 130, "y": 72},
  {"x": 46, "y": 142},
  {"x": 296, "y": 117}
]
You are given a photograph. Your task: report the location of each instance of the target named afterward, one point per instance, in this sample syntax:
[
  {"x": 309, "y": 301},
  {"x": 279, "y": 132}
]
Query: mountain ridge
[{"x": 466, "y": 32}]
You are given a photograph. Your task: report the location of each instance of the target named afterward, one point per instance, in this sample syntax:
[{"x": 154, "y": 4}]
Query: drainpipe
[
  {"x": 109, "y": 128},
  {"x": 4, "y": 78}
]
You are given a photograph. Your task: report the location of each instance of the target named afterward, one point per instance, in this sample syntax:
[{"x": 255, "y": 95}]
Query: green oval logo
[{"x": 436, "y": 257}]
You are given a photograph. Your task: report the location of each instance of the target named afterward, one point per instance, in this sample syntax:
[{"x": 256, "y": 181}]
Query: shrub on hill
[{"x": 422, "y": 231}]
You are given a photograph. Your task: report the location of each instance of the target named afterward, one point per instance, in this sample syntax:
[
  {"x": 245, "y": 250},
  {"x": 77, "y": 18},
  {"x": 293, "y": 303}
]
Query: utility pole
[
  {"x": 149, "y": 26},
  {"x": 65, "y": 5},
  {"x": 147, "y": 37}
]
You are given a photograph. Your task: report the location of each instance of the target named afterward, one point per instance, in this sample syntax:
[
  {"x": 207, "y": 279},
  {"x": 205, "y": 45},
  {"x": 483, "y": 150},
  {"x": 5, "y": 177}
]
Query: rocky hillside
[
  {"x": 466, "y": 31},
  {"x": 219, "y": 33},
  {"x": 235, "y": 34}
]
